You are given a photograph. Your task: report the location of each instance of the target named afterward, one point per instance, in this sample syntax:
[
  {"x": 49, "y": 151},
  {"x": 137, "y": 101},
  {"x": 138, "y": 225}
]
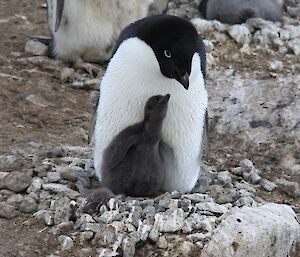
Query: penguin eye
[{"x": 167, "y": 53}]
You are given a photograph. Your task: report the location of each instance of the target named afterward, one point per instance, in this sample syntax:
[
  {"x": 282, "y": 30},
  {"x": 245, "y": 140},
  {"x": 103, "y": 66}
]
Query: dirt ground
[{"x": 62, "y": 118}]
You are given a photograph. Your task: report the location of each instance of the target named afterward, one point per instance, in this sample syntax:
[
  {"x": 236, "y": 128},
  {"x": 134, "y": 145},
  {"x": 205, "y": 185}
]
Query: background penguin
[
  {"x": 134, "y": 162},
  {"x": 238, "y": 11},
  {"x": 85, "y": 31},
  {"x": 157, "y": 55}
]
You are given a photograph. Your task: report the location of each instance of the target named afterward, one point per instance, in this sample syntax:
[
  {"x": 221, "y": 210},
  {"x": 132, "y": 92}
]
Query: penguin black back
[{"x": 134, "y": 162}]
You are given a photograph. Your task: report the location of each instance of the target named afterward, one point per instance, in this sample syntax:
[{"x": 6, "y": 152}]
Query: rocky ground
[{"x": 45, "y": 163}]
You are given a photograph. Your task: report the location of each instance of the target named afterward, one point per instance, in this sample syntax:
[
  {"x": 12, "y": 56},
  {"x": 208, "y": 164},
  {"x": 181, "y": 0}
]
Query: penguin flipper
[{"x": 59, "y": 12}]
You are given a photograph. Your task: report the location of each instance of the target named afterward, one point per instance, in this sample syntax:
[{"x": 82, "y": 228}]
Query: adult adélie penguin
[{"x": 157, "y": 55}]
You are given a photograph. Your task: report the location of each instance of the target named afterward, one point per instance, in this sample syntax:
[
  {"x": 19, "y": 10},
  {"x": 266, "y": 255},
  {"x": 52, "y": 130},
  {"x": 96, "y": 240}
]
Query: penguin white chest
[{"x": 123, "y": 97}]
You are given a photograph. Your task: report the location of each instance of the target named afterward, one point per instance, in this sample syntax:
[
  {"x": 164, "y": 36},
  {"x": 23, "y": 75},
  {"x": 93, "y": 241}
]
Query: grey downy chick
[
  {"x": 134, "y": 162},
  {"x": 238, "y": 11}
]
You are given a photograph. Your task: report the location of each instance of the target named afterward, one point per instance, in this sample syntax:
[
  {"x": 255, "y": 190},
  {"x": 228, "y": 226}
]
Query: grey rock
[
  {"x": 162, "y": 242},
  {"x": 294, "y": 45},
  {"x": 109, "y": 216},
  {"x": 170, "y": 221},
  {"x": 144, "y": 230},
  {"x": 195, "y": 237},
  {"x": 62, "y": 228},
  {"x": 153, "y": 235},
  {"x": 55, "y": 187},
  {"x": 276, "y": 66},
  {"x": 86, "y": 236},
  {"x": 268, "y": 185},
  {"x": 128, "y": 247},
  {"x": 17, "y": 181},
  {"x": 196, "y": 197},
  {"x": 28, "y": 205},
  {"x": 245, "y": 200},
  {"x": 223, "y": 195},
  {"x": 240, "y": 34},
  {"x": 149, "y": 211},
  {"x": 276, "y": 221},
  {"x": 90, "y": 227},
  {"x": 67, "y": 74},
  {"x": 84, "y": 218},
  {"x": 36, "y": 184},
  {"x": 105, "y": 236},
  {"x": 35, "y": 48},
  {"x": 66, "y": 242},
  {"x": 8, "y": 211},
  {"x": 6, "y": 162},
  {"x": 192, "y": 222},
  {"x": 69, "y": 174},
  {"x": 202, "y": 25},
  {"x": 53, "y": 177},
  {"x": 15, "y": 200},
  {"x": 62, "y": 210},
  {"x": 224, "y": 177},
  {"x": 168, "y": 203},
  {"x": 45, "y": 216},
  {"x": 212, "y": 207},
  {"x": 289, "y": 187}
]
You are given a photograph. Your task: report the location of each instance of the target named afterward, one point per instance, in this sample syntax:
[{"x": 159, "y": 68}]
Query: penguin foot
[{"x": 90, "y": 68}]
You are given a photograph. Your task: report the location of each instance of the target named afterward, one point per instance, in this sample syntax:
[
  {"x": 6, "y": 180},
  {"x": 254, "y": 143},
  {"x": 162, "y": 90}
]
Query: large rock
[
  {"x": 259, "y": 117},
  {"x": 269, "y": 230}
]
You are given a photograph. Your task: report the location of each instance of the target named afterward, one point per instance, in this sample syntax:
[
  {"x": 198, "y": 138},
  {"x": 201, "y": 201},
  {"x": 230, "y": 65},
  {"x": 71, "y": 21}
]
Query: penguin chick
[
  {"x": 134, "y": 163},
  {"x": 238, "y": 11},
  {"x": 157, "y": 55},
  {"x": 84, "y": 32}
]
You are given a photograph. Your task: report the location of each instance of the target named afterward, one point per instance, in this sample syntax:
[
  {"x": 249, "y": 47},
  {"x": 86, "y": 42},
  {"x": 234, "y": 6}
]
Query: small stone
[
  {"x": 168, "y": 203},
  {"x": 245, "y": 200},
  {"x": 240, "y": 34},
  {"x": 45, "y": 216},
  {"x": 153, "y": 235},
  {"x": 86, "y": 252},
  {"x": 86, "y": 236},
  {"x": 276, "y": 66},
  {"x": 149, "y": 211},
  {"x": 223, "y": 195},
  {"x": 144, "y": 231},
  {"x": 170, "y": 221},
  {"x": 17, "y": 181},
  {"x": 196, "y": 197},
  {"x": 53, "y": 176},
  {"x": 212, "y": 207},
  {"x": 66, "y": 242},
  {"x": 128, "y": 247},
  {"x": 224, "y": 177},
  {"x": 207, "y": 224},
  {"x": 162, "y": 243},
  {"x": 254, "y": 178},
  {"x": 289, "y": 187},
  {"x": 196, "y": 237},
  {"x": 62, "y": 228},
  {"x": 109, "y": 216},
  {"x": 15, "y": 200},
  {"x": 36, "y": 184},
  {"x": 90, "y": 227},
  {"x": 69, "y": 174},
  {"x": 28, "y": 205},
  {"x": 35, "y": 47},
  {"x": 186, "y": 248},
  {"x": 8, "y": 211},
  {"x": 268, "y": 185},
  {"x": 62, "y": 210},
  {"x": 54, "y": 187},
  {"x": 237, "y": 171}
]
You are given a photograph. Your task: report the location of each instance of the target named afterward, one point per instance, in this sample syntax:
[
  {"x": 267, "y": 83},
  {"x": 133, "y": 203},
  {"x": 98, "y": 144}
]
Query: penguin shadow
[{"x": 135, "y": 161}]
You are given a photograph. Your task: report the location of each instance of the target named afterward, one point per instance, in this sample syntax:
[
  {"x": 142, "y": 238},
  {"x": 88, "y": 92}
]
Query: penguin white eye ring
[{"x": 167, "y": 53}]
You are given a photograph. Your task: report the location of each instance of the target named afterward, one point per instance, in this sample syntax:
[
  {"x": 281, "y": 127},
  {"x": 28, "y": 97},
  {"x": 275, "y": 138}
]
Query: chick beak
[{"x": 183, "y": 80}]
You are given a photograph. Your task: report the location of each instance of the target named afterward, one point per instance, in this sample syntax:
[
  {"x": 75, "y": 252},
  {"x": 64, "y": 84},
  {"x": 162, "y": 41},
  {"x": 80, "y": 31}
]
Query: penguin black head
[
  {"x": 174, "y": 42},
  {"x": 156, "y": 108}
]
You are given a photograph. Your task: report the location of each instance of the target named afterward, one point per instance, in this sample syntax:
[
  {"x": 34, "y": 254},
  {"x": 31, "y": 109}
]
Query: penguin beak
[
  {"x": 183, "y": 80},
  {"x": 165, "y": 99}
]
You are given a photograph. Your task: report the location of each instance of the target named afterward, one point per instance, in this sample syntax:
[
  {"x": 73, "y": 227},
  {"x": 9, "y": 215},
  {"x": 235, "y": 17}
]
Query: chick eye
[{"x": 167, "y": 53}]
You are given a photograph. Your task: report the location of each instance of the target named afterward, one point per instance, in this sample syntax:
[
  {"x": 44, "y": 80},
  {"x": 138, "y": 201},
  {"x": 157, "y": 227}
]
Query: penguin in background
[
  {"x": 157, "y": 55},
  {"x": 238, "y": 11},
  {"x": 84, "y": 31}
]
